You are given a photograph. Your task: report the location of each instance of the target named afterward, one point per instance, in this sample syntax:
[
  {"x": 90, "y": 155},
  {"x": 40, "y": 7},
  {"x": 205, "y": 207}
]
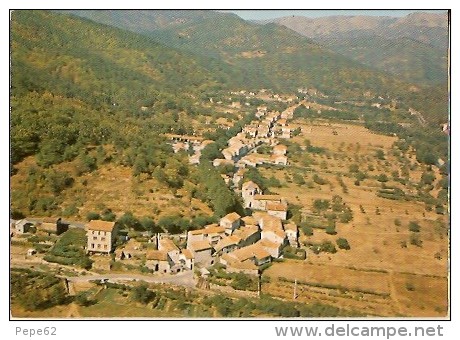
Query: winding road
[{"x": 185, "y": 278}]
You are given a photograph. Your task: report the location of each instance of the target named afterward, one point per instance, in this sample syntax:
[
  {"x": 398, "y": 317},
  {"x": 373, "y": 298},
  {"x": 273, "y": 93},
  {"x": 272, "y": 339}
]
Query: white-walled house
[
  {"x": 248, "y": 191},
  {"x": 273, "y": 248},
  {"x": 188, "y": 258},
  {"x": 274, "y": 235},
  {"x": 277, "y": 209},
  {"x": 230, "y": 222},
  {"x": 158, "y": 261},
  {"x": 280, "y": 150},
  {"x": 292, "y": 233},
  {"x": 212, "y": 233}
]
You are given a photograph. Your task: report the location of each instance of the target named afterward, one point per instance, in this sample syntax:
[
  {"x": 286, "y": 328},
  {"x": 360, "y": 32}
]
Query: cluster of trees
[
  {"x": 211, "y": 188},
  {"x": 35, "y": 290},
  {"x": 429, "y": 142},
  {"x": 253, "y": 174},
  {"x": 268, "y": 306},
  {"x": 332, "y": 210},
  {"x": 70, "y": 249},
  {"x": 302, "y": 112}
]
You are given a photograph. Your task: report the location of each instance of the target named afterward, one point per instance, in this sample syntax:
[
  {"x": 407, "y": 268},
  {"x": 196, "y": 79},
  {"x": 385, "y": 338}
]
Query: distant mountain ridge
[
  {"x": 413, "y": 47},
  {"x": 428, "y": 28},
  {"x": 270, "y": 55}
]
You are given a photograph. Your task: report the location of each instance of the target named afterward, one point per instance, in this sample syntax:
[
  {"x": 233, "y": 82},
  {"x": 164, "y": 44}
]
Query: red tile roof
[{"x": 99, "y": 225}]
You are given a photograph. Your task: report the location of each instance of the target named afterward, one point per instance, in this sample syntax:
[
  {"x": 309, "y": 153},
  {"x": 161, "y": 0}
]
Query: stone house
[
  {"x": 158, "y": 261},
  {"x": 248, "y": 235},
  {"x": 269, "y": 222},
  {"x": 279, "y": 159},
  {"x": 248, "y": 191},
  {"x": 202, "y": 252},
  {"x": 101, "y": 236},
  {"x": 230, "y": 222},
  {"x": 212, "y": 233},
  {"x": 277, "y": 209},
  {"x": 227, "y": 245},
  {"x": 167, "y": 245},
  {"x": 253, "y": 253},
  {"x": 52, "y": 225},
  {"x": 274, "y": 235},
  {"x": 273, "y": 248},
  {"x": 292, "y": 233},
  {"x": 260, "y": 202}
]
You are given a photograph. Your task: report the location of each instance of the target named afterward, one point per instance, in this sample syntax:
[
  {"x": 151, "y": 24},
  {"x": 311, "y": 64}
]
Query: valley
[{"x": 142, "y": 189}]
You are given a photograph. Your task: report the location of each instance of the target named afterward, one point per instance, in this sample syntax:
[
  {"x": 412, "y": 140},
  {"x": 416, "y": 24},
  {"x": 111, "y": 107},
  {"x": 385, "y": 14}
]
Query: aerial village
[{"x": 241, "y": 244}]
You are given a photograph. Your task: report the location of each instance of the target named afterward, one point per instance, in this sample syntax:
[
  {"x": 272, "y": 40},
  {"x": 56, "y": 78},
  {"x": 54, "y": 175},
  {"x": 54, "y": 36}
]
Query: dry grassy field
[
  {"x": 400, "y": 276},
  {"x": 113, "y": 186}
]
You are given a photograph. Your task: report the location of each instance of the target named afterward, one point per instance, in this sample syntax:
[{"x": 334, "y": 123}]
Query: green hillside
[
  {"x": 270, "y": 55},
  {"x": 87, "y": 97},
  {"x": 77, "y": 83},
  {"x": 276, "y": 57},
  {"x": 407, "y": 58},
  {"x": 142, "y": 21}
]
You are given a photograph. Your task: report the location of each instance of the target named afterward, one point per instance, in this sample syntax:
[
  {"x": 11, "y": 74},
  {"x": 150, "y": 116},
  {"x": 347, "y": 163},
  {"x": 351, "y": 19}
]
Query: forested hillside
[
  {"x": 87, "y": 96},
  {"x": 413, "y": 47},
  {"x": 273, "y": 56},
  {"x": 83, "y": 79}
]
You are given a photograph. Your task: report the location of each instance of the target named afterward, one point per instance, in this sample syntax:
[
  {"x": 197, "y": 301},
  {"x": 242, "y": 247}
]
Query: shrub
[
  {"x": 142, "y": 294},
  {"x": 330, "y": 229},
  {"x": 415, "y": 240},
  {"x": 244, "y": 282},
  {"x": 319, "y": 180},
  {"x": 414, "y": 227},
  {"x": 82, "y": 299},
  {"x": 298, "y": 179},
  {"x": 306, "y": 229},
  {"x": 92, "y": 216},
  {"x": 382, "y": 178},
  {"x": 342, "y": 243}
]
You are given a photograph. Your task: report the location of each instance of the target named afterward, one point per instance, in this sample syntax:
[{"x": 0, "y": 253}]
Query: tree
[
  {"x": 147, "y": 223},
  {"x": 174, "y": 224},
  {"x": 82, "y": 299},
  {"x": 320, "y": 205},
  {"x": 342, "y": 243},
  {"x": 415, "y": 240},
  {"x": 427, "y": 178},
  {"x": 382, "y": 178},
  {"x": 85, "y": 163},
  {"x": 337, "y": 204},
  {"x": 298, "y": 179},
  {"x": 306, "y": 229},
  {"x": 330, "y": 229},
  {"x": 92, "y": 216},
  {"x": 58, "y": 181},
  {"x": 142, "y": 294},
  {"x": 108, "y": 215},
  {"x": 319, "y": 180},
  {"x": 380, "y": 154},
  {"x": 354, "y": 168},
  {"x": 414, "y": 226},
  {"x": 346, "y": 216},
  {"x": 129, "y": 221}
]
